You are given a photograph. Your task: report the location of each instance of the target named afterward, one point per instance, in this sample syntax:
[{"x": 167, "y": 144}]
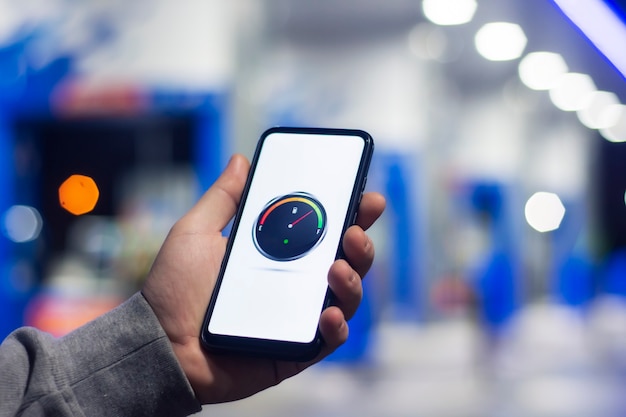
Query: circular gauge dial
[{"x": 289, "y": 227}]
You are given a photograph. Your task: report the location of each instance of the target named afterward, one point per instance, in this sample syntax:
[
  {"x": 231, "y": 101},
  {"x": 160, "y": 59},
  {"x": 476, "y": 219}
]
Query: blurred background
[{"x": 499, "y": 287}]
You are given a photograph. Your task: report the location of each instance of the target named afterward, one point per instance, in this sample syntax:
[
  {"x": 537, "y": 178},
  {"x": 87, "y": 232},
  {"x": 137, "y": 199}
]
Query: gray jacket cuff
[{"x": 123, "y": 364}]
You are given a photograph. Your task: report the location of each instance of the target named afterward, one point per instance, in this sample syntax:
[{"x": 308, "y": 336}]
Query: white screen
[{"x": 273, "y": 299}]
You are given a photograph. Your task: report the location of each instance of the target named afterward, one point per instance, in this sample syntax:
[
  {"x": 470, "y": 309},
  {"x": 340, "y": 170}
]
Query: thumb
[{"x": 219, "y": 203}]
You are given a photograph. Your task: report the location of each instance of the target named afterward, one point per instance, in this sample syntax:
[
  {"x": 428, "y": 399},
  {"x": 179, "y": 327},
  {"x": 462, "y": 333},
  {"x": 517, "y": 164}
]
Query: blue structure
[
  {"x": 498, "y": 283},
  {"x": 405, "y": 232},
  {"x": 26, "y": 93},
  {"x": 572, "y": 271},
  {"x": 614, "y": 279}
]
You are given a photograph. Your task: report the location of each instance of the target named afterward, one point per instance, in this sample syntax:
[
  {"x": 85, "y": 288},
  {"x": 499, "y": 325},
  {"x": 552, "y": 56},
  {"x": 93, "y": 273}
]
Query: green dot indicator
[{"x": 286, "y": 241}]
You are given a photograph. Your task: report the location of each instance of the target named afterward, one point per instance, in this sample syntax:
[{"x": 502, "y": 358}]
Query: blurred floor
[
  {"x": 430, "y": 370},
  {"x": 448, "y": 369}
]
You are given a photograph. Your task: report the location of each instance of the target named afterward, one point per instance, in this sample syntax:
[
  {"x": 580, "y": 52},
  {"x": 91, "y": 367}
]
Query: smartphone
[{"x": 302, "y": 193}]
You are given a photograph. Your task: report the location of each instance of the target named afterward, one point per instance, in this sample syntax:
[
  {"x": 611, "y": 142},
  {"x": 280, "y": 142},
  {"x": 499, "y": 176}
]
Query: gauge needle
[{"x": 299, "y": 219}]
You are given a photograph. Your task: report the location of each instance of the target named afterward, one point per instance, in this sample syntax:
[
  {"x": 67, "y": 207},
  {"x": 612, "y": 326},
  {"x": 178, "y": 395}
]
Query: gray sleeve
[{"x": 120, "y": 364}]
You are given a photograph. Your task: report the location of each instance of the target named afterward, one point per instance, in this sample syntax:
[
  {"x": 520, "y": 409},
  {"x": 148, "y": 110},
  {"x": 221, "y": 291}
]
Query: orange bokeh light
[{"x": 78, "y": 194}]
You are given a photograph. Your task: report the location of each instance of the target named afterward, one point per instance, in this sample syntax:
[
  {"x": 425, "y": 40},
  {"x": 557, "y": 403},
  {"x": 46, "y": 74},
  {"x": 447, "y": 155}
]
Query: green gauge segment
[{"x": 290, "y": 226}]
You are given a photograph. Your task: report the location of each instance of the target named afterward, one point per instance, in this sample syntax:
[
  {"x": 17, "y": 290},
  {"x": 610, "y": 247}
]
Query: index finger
[{"x": 219, "y": 203}]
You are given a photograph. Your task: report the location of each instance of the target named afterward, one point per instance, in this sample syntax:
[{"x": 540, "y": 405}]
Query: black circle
[{"x": 289, "y": 226}]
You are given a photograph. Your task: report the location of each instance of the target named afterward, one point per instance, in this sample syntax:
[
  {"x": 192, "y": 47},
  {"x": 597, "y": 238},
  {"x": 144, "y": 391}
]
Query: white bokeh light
[
  {"x": 544, "y": 211},
  {"x": 22, "y": 223},
  {"x": 449, "y": 12},
  {"x": 599, "y": 110},
  {"x": 541, "y": 70},
  {"x": 572, "y": 91},
  {"x": 616, "y": 132},
  {"x": 500, "y": 41}
]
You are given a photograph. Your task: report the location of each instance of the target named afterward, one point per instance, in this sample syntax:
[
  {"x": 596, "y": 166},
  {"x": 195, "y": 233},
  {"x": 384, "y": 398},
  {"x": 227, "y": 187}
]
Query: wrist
[{"x": 194, "y": 364}]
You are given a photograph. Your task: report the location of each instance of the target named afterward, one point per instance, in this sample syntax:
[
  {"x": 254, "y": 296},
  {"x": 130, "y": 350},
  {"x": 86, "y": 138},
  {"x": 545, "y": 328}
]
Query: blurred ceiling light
[
  {"x": 449, "y": 12},
  {"x": 541, "y": 70},
  {"x": 616, "y": 132},
  {"x": 428, "y": 42},
  {"x": 22, "y": 223},
  {"x": 544, "y": 211},
  {"x": 601, "y": 25},
  {"x": 571, "y": 91},
  {"x": 500, "y": 41},
  {"x": 600, "y": 110}
]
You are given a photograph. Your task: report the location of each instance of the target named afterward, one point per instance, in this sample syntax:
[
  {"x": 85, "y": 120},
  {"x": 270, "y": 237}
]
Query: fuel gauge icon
[{"x": 290, "y": 226}]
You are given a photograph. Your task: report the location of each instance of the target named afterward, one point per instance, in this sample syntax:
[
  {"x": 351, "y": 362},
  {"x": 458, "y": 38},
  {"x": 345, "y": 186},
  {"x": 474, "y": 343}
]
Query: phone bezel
[{"x": 280, "y": 349}]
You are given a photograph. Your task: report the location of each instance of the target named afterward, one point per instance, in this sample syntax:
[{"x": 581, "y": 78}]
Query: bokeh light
[
  {"x": 572, "y": 91},
  {"x": 500, "y": 41},
  {"x": 600, "y": 110},
  {"x": 544, "y": 211},
  {"x": 616, "y": 132},
  {"x": 449, "y": 12},
  {"x": 78, "y": 194},
  {"x": 541, "y": 70},
  {"x": 22, "y": 223}
]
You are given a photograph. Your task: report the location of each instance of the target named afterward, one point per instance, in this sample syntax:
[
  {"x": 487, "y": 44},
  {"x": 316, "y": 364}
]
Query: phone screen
[{"x": 274, "y": 281}]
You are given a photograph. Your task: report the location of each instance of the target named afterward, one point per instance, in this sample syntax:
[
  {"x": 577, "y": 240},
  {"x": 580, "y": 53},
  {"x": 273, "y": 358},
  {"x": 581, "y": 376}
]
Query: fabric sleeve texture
[{"x": 120, "y": 364}]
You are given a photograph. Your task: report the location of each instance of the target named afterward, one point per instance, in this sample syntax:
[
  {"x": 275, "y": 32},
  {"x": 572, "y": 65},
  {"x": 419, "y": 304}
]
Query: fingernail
[
  {"x": 368, "y": 243},
  {"x": 342, "y": 325}
]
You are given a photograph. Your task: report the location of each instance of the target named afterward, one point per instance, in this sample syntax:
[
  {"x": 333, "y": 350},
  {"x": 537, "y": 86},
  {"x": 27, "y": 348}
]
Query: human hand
[{"x": 180, "y": 283}]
